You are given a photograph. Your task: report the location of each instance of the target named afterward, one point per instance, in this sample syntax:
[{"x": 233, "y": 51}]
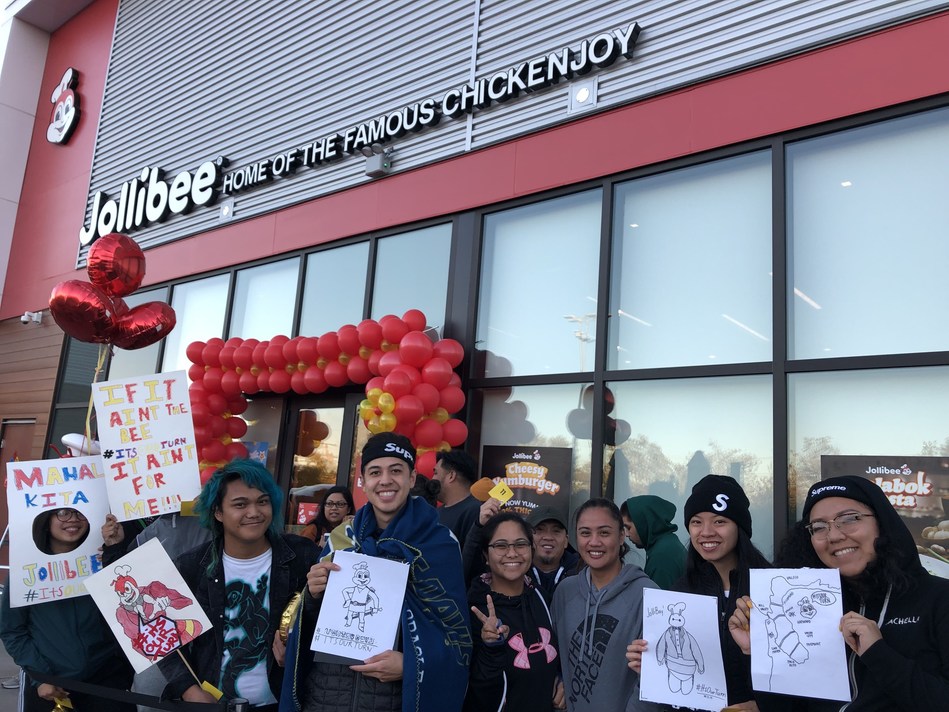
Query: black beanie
[
  {"x": 723, "y": 495},
  {"x": 388, "y": 445}
]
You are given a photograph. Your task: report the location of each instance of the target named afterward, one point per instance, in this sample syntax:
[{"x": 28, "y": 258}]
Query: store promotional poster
[{"x": 538, "y": 476}]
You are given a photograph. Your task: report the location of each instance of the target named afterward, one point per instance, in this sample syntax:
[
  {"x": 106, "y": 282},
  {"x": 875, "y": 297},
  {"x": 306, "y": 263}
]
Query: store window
[
  {"x": 199, "y": 307},
  {"x": 334, "y": 289},
  {"x": 691, "y": 280},
  {"x": 412, "y": 273},
  {"x": 669, "y": 434},
  {"x": 71, "y": 405},
  {"x": 900, "y": 412},
  {"x": 264, "y": 299},
  {"x": 535, "y": 417},
  {"x": 867, "y": 226},
  {"x": 137, "y": 362},
  {"x": 539, "y": 276}
]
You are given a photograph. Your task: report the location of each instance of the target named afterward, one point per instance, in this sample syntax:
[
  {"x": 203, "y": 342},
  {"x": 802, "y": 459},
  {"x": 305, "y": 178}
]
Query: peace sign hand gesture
[{"x": 493, "y": 631}]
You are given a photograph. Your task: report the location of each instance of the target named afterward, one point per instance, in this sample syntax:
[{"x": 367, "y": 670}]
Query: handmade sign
[
  {"x": 147, "y": 604},
  {"x": 796, "y": 644},
  {"x": 147, "y": 441},
  {"x": 683, "y": 664},
  {"x": 57, "y": 508},
  {"x": 361, "y": 610}
]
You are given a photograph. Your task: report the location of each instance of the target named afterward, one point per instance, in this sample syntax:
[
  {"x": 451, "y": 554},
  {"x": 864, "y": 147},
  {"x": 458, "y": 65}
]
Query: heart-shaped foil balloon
[
  {"x": 83, "y": 311},
  {"x": 143, "y": 325},
  {"x": 116, "y": 264}
]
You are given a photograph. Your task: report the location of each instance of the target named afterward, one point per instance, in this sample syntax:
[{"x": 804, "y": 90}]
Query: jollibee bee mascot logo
[{"x": 65, "y": 114}]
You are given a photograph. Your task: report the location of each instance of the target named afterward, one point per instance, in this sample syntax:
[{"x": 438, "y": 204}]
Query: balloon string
[{"x": 103, "y": 350}]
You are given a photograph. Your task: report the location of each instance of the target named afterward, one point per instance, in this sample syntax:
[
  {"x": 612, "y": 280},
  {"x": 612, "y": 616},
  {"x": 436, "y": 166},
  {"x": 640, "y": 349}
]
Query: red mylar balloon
[
  {"x": 415, "y": 348},
  {"x": 116, "y": 264},
  {"x": 348, "y": 338},
  {"x": 408, "y": 409},
  {"x": 428, "y": 433},
  {"x": 425, "y": 465},
  {"x": 237, "y": 427},
  {"x": 83, "y": 311},
  {"x": 415, "y": 320},
  {"x": 437, "y": 372},
  {"x": 119, "y": 307},
  {"x": 450, "y": 350},
  {"x": 451, "y": 399},
  {"x": 455, "y": 432},
  {"x": 399, "y": 385},
  {"x": 370, "y": 334}
]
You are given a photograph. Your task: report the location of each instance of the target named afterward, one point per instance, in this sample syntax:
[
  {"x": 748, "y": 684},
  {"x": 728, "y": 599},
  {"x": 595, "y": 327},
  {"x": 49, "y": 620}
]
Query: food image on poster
[{"x": 537, "y": 476}]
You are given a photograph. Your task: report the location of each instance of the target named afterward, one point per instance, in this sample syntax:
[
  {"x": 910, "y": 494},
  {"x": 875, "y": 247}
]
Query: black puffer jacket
[{"x": 336, "y": 688}]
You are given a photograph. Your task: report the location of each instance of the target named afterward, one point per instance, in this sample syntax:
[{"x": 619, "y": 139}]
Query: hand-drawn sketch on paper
[
  {"x": 796, "y": 645},
  {"x": 680, "y": 652},
  {"x": 360, "y": 600}
]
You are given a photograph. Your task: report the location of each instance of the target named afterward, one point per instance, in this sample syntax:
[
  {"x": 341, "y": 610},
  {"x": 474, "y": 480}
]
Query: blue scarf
[{"x": 436, "y": 637}]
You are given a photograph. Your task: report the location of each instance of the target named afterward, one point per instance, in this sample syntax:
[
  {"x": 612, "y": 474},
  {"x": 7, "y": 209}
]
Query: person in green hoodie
[{"x": 648, "y": 523}]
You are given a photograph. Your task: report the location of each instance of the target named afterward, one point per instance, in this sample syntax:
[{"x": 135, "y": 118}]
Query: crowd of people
[{"x": 500, "y": 612}]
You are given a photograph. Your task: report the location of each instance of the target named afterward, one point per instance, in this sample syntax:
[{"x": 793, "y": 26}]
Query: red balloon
[
  {"x": 213, "y": 451},
  {"x": 290, "y": 348},
  {"x": 195, "y": 372},
  {"x": 335, "y": 374},
  {"x": 236, "y": 427},
  {"x": 307, "y": 351},
  {"x": 231, "y": 384},
  {"x": 406, "y": 429},
  {"x": 279, "y": 381},
  {"x": 202, "y": 433},
  {"x": 348, "y": 338},
  {"x": 227, "y": 356},
  {"x": 415, "y": 376},
  {"x": 119, "y": 307},
  {"x": 211, "y": 355},
  {"x": 437, "y": 372},
  {"x": 455, "y": 432},
  {"x": 195, "y": 352},
  {"x": 373, "y": 362},
  {"x": 358, "y": 370},
  {"x": 388, "y": 361},
  {"x": 280, "y": 339},
  {"x": 200, "y": 415},
  {"x": 235, "y": 451},
  {"x": 217, "y": 426},
  {"x": 263, "y": 381},
  {"x": 83, "y": 311},
  {"x": 315, "y": 380},
  {"x": 408, "y": 409},
  {"x": 234, "y": 342},
  {"x": 212, "y": 379},
  {"x": 259, "y": 351},
  {"x": 217, "y": 404},
  {"x": 455, "y": 380},
  {"x": 249, "y": 383},
  {"x": 273, "y": 356},
  {"x": 451, "y": 399},
  {"x": 206, "y": 474},
  {"x": 415, "y": 349},
  {"x": 116, "y": 264},
  {"x": 328, "y": 346},
  {"x": 399, "y": 385},
  {"x": 237, "y": 405},
  {"x": 197, "y": 392},
  {"x": 370, "y": 334},
  {"x": 243, "y": 357},
  {"x": 415, "y": 320},
  {"x": 428, "y": 433},
  {"x": 425, "y": 465},
  {"x": 428, "y": 394},
  {"x": 298, "y": 383},
  {"x": 451, "y": 351},
  {"x": 143, "y": 325},
  {"x": 393, "y": 328}
]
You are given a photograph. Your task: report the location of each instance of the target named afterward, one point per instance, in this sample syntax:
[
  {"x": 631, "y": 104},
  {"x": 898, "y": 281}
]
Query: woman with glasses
[
  {"x": 64, "y": 638},
  {"x": 337, "y": 504},
  {"x": 515, "y": 664},
  {"x": 896, "y": 615}
]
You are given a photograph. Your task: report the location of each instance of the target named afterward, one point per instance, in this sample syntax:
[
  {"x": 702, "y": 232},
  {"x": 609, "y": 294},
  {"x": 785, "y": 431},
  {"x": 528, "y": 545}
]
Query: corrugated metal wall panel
[{"x": 192, "y": 79}]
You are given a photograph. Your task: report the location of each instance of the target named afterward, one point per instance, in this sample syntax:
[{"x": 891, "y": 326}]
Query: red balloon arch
[{"x": 411, "y": 385}]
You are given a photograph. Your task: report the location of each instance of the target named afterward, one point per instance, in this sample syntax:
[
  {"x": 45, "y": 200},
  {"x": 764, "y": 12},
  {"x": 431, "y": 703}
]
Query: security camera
[
  {"x": 25, "y": 319},
  {"x": 31, "y": 317}
]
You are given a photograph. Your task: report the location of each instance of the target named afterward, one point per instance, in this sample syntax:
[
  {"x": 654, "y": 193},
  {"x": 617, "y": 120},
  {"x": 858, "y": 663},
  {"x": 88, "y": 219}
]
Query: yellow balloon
[
  {"x": 374, "y": 426},
  {"x": 388, "y": 422},
  {"x": 386, "y": 403},
  {"x": 441, "y": 415},
  {"x": 443, "y": 446},
  {"x": 373, "y": 395},
  {"x": 366, "y": 409}
]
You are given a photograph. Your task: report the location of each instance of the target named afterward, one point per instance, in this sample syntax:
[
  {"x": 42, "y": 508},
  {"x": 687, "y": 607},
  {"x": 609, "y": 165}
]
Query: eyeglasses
[
  {"x": 844, "y": 522},
  {"x": 502, "y": 547},
  {"x": 64, "y": 515},
  {"x": 335, "y": 505}
]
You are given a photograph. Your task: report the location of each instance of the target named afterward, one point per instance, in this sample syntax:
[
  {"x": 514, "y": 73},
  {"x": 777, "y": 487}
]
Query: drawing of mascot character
[
  {"x": 680, "y": 652},
  {"x": 139, "y": 605},
  {"x": 360, "y": 600}
]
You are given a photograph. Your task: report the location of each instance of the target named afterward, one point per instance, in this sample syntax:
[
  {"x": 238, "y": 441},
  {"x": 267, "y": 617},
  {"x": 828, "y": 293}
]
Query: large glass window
[
  {"x": 334, "y": 289},
  {"x": 897, "y": 412},
  {"x": 691, "y": 280},
  {"x": 199, "y": 308},
  {"x": 539, "y": 275},
  {"x": 138, "y": 362},
  {"x": 670, "y": 434},
  {"x": 867, "y": 224},
  {"x": 264, "y": 298},
  {"x": 412, "y": 273}
]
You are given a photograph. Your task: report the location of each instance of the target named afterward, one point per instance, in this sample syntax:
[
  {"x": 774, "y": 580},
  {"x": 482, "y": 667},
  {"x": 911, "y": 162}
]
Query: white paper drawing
[
  {"x": 147, "y": 605},
  {"x": 361, "y": 609},
  {"x": 796, "y": 644},
  {"x": 683, "y": 664}
]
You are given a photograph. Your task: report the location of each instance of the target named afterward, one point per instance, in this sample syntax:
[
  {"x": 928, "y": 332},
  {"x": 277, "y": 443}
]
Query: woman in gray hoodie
[{"x": 597, "y": 613}]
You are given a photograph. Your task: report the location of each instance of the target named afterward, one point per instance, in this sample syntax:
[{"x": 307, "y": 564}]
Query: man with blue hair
[{"x": 243, "y": 579}]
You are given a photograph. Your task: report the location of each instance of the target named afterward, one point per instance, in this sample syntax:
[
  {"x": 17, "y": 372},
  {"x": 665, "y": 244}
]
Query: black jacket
[{"x": 292, "y": 558}]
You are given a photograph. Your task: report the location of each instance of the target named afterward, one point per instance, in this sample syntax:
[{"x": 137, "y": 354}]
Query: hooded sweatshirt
[
  {"x": 909, "y": 668},
  {"x": 594, "y": 626},
  {"x": 665, "y": 555}
]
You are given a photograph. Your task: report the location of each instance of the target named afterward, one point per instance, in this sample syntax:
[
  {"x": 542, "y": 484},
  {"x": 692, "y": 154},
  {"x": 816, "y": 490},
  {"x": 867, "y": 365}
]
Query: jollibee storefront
[{"x": 650, "y": 241}]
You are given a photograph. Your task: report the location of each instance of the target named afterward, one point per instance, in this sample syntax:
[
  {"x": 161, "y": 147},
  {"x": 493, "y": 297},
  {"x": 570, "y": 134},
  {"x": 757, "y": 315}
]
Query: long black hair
[
  {"x": 698, "y": 569},
  {"x": 323, "y": 525}
]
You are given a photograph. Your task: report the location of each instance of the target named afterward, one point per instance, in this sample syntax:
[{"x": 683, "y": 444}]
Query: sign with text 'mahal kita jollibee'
[
  {"x": 149, "y": 198},
  {"x": 538, "y": 476},
  {"x": 147, "y": 440}
]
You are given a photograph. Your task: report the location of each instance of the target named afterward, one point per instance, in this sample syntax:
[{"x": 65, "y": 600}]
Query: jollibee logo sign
[{"x": 65, "y": 113}]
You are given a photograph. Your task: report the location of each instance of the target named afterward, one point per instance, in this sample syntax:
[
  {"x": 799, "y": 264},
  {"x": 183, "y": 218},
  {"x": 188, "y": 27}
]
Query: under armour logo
[
  {"x": 721, "y": 503},
  {"x": 521, "y": 659}
]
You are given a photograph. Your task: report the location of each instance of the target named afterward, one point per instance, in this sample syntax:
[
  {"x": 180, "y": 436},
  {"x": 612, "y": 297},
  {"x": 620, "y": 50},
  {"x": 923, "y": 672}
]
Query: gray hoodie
[{"x": 594, "y": 627}]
